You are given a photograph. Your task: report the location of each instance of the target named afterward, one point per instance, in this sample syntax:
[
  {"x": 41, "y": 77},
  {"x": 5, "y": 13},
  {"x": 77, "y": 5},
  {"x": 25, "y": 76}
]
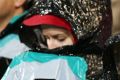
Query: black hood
[
  {"x": 85, "y": 16},
  {"x": 89, "y": 19}
]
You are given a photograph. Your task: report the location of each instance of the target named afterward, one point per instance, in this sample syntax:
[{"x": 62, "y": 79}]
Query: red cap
[{"x": 47, "y": 20}]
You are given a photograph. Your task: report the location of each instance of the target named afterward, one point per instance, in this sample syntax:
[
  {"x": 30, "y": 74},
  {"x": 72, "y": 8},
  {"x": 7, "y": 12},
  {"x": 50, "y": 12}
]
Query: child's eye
[{"x": 61, "y": 39}]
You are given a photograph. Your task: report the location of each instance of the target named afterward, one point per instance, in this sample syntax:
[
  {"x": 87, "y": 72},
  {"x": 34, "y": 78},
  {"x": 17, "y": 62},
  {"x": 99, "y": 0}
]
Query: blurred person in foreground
[
  {"x": 11, "y": 15},
  {"x": 114, "y": 40},
  {"x": 63, "y": 36}
]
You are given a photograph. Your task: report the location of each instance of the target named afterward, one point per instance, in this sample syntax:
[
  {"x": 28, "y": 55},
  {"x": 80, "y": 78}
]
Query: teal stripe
[
  {"x": 15, "y": 18},
  {"x": 80, "y": 65}
]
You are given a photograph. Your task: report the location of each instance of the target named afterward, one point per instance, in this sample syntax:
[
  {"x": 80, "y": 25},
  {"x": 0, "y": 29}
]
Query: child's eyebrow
[{"x": 59, "y": 35}]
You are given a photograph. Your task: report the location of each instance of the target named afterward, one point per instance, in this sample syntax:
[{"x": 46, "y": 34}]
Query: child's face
[{"x": 57, "y": 37}]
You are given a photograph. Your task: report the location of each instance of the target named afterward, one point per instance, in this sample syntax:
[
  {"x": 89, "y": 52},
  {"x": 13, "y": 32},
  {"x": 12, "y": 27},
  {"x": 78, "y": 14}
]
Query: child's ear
[{"x": 19, "y": 3}]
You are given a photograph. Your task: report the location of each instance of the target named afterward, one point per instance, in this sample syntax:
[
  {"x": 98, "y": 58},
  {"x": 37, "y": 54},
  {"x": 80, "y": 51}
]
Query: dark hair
[{"x": 28, "y": 4}]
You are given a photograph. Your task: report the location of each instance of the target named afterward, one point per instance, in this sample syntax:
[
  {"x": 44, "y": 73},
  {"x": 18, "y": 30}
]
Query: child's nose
[{"x": 52, "y": 44}]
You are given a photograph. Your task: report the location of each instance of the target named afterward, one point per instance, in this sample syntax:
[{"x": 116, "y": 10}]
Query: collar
[{"x": 13, "y": 24}]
